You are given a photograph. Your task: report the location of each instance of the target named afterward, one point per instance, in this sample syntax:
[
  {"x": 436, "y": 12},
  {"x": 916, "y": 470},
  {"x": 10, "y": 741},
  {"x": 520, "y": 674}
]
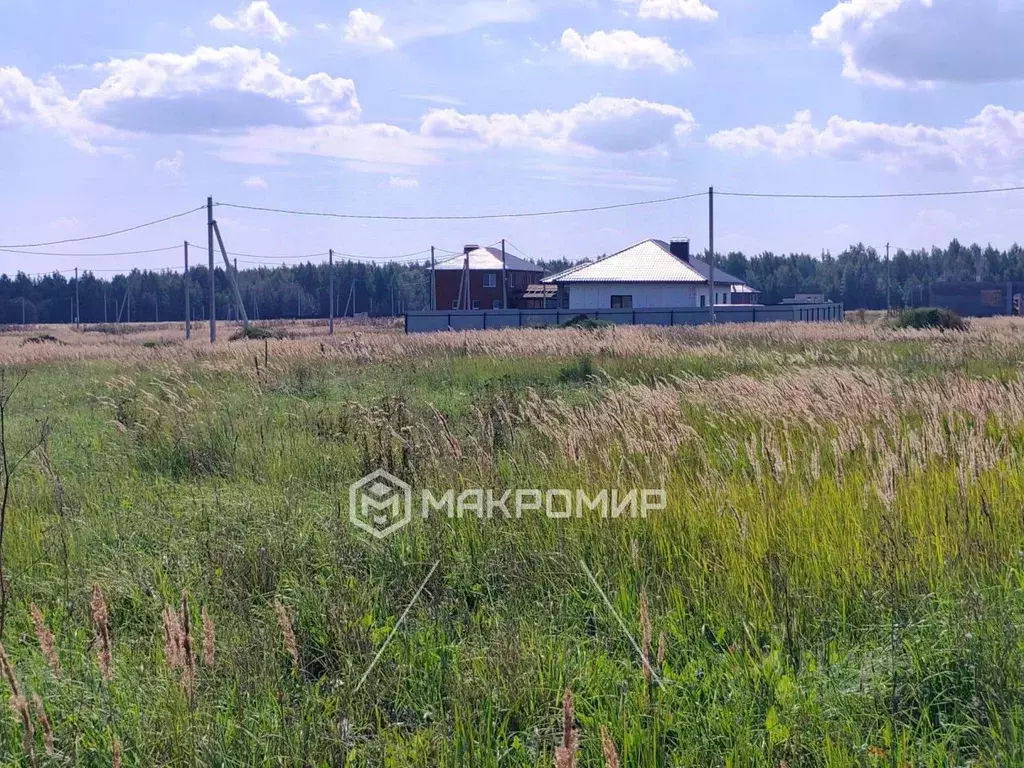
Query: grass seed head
[
  {"x": 8, "y": 671},
  {"x": 287, "y": 633},
  {"x": 209, "y": 639},
  {"x": 45, "y": 638},
  {"x": 44, "y": 722},
  {"x": 100, "y": 619},
  {"x": 611, "y": 755}
]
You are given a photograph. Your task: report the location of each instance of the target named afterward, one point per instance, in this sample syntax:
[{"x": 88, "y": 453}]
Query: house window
[
  {"x": 455, "y": 304},
  {"x": 496, "y": 304},
  {"x": 725, "y": 298},
  {"x": 490, "y": 280},
  {"x": 476, "y": 304},
  {"x": 703, "y": 300},
  {"x": 622, "y": 302}
]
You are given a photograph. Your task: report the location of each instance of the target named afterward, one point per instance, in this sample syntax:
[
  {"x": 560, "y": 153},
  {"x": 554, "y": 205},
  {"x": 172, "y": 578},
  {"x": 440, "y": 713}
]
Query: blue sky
[{"x": 116, "y": 113}]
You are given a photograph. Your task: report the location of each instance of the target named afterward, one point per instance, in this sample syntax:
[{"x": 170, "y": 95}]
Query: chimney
[
  {"x": 467, "y": 248},
  {"x": 680, "y": 248}
]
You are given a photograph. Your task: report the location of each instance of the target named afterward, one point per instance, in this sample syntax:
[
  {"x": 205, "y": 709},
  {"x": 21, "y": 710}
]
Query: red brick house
[{"x": 484, "y": 273}]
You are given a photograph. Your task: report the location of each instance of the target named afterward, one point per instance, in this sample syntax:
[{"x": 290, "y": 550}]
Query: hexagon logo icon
[{"x": 380, "y": 504}]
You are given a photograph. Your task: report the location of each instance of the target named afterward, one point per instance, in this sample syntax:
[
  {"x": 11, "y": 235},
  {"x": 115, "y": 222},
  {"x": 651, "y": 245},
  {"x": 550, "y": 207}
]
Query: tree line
[{"x": 858, "y": 277}]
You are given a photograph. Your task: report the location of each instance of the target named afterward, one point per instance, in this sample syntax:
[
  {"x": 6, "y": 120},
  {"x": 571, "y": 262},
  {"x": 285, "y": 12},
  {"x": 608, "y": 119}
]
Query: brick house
[{"x": 484, "y": 272}]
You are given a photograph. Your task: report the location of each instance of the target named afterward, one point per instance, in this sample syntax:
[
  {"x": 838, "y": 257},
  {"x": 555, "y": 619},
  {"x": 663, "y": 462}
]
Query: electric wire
[
  {"x": 106, "y": 234},
  {"x": 461, "y": 217}
]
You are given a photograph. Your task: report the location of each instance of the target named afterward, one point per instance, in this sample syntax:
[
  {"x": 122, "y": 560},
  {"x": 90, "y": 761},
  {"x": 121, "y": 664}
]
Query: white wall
[{"x": 645, "y": 295}]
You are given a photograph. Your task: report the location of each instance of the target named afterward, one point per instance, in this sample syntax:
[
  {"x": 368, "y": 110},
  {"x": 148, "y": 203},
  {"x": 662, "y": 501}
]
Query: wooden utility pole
[
  {"x": 78, "y": 303},
  {"x": 433, "y": 282},
  {"x": 232, "y": 277},
  {"x": 188, "y": 311},
  {"x": 711, "y": 251},
  {"x": 104, "y": 306},
  {"x": 213, "y": 289},
  {"x": 330, "y": 270},
  {"x": 351, "y": 300},
  {"x": 504, "y": 282},
  {"x": 888, "y": 283}
]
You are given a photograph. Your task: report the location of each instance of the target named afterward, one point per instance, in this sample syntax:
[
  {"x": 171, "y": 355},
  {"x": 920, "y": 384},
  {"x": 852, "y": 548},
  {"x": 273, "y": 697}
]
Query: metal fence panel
[{"x": 479, "y": 320}]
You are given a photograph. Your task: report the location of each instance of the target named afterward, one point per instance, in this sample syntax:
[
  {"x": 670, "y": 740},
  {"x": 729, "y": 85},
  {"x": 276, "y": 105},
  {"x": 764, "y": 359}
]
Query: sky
[{"x": 114, "y": 114}]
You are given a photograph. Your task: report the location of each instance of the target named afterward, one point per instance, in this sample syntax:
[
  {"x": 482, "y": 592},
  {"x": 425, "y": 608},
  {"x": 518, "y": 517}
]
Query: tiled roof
[
  {"x": 484, "y": 259},
  {"x": 648, "y": 262}
]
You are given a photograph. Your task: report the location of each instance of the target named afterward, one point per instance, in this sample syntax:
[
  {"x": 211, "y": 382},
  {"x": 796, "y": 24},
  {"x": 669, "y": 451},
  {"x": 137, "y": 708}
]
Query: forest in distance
[{"x": 859, "y": 277}]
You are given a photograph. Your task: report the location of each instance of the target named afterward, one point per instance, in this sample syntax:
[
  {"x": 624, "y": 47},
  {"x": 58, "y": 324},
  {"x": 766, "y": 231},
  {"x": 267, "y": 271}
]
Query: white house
[{"x": 649, "y": 275}]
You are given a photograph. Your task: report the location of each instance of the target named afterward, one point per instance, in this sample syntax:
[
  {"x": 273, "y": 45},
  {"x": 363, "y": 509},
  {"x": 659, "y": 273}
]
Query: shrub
[
  {"x": 258, "y": 332},
  {"x": 930, "y": 317},
  {"x": 586, "y": 323},
  {"x": 43, "y": 338}
]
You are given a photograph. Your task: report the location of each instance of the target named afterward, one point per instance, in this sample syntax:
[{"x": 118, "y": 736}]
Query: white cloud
[
  {"x": 171, "y": 165},
  {"x": 255, "y": 182},
  {"x": 623, "y": 49},
  {"x": 365, "y": 29},
  {"x": 369, "y": 147},
  {"x": 436, "y": 98},
  {"x": 323, "y": 27},
  {"x": 442, "y": 17},
  {"x": 257, "y": 19},
  {"x": 695, "y": 10},
  {"x": 211, "y": 89},
  {"x": 590, "y": 175},
  {"x": 403, "y": 182},
  {"x": 237, "y": 99},
  {"x": 918, "y": 43},
  {"x": 992, "y": 140},
  {"x": 601, "y": 125}
]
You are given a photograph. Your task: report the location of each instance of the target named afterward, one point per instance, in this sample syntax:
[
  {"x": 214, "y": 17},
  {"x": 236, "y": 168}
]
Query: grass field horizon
[{"x": 835, "y": 578}]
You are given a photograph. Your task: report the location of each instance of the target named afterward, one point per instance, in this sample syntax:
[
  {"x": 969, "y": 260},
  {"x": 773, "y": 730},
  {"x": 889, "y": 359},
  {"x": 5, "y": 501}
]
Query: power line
[
  {"x": 874, "y": 196},
  {"x": 477, "y": 217},
  {"x": 105, "y": 234},
  {"x": 87, "y": 255}
]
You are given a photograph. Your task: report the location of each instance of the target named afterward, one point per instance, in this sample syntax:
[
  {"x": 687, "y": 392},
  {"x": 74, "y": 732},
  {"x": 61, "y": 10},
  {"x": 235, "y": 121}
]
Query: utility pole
[
  {"x": 188, "y": 286},
  {"x": 433, "y": 282},
  {"x": 104, "y": 306},
  {"x": 330, "y": 273},
  {"x": 888, "y": 283},
  {"x": 78, "y": 304},
  {"x": 235, "y": 274},
  {"x": 213, "y": 294},
  {"x": 22, "y": 310},
  {"x": 232, "y": 278},
  {"x": 711, "y": 251},
  {"x": 504, "y": 283}
]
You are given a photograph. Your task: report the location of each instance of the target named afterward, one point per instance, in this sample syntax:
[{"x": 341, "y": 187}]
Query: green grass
[{"x": 843, "y": 592}]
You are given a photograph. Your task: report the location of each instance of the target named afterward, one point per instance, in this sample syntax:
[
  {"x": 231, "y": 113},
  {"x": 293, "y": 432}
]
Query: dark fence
[{"x": 480, "y": 320}]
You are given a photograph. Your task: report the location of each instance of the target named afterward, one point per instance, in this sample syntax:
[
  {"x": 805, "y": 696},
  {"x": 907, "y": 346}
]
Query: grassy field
[{"x": 836, "y": 578}]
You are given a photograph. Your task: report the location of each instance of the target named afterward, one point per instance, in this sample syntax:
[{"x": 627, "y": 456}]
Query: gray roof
[
  {"x": 648, "y": 262},
  {"x": 486, "y": 259}
]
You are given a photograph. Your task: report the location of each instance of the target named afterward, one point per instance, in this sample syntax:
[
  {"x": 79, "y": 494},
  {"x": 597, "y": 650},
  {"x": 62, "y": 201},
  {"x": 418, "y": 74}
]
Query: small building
[
  {"x": 483, "y": 269},
  {"x": 805, "y": 298},
  {"x": 540, "y": 296},
  {"x": 652, "y": 274},
  {"x": 974, "y": 299}
]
